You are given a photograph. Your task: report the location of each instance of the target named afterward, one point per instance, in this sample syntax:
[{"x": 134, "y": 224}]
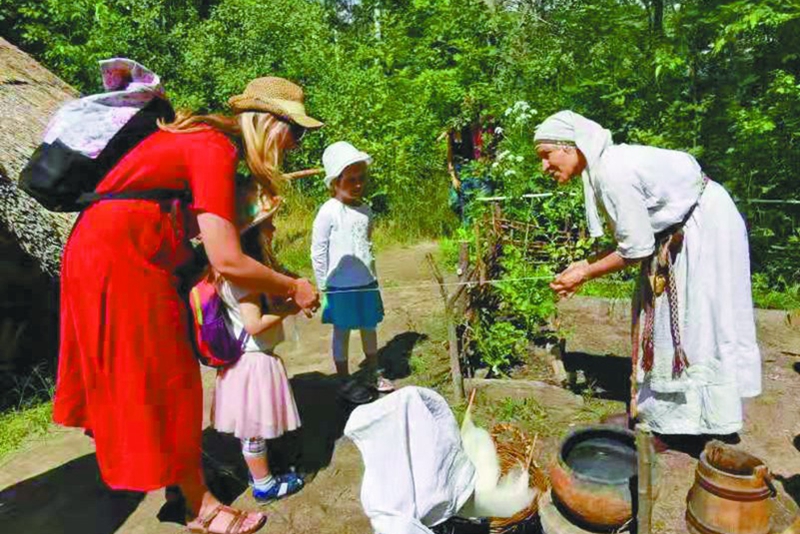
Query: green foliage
[
  {"x": 718, "y": 79},
  {"x": 25, "y": 407},
  {"x": 500, "y": 345},
  {"x": 524, "y": 291},
  {"x": 18, "y": 425}
]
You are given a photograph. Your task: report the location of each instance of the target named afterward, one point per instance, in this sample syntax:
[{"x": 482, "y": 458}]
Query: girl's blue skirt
[{"x": 355, "y": 308}]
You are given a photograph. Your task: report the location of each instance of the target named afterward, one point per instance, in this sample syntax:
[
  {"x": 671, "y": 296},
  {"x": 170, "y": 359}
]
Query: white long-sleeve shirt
[
  {"x": 644, "y": 190},
  {"x": 341, "y": 246}
]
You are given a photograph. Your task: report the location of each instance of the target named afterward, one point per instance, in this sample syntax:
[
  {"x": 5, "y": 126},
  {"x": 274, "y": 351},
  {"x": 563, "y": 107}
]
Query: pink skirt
[{"x": 253, "y": 398}]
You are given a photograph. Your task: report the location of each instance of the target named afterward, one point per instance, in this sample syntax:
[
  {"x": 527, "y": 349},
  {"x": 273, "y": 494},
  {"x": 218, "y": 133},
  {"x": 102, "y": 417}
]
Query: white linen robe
[{"x": 643, "y": 191}]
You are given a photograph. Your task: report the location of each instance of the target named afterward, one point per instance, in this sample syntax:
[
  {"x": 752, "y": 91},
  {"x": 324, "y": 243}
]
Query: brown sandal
[{"x": 234, "y": 526}]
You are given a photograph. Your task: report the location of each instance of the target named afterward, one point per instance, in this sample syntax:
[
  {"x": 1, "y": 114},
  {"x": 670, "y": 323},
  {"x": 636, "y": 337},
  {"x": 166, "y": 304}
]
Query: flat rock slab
[{"x": 548, "y": 396}]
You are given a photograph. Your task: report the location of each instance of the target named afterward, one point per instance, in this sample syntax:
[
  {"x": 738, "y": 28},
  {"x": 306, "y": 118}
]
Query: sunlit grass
[{"x": 27, "y": 408}]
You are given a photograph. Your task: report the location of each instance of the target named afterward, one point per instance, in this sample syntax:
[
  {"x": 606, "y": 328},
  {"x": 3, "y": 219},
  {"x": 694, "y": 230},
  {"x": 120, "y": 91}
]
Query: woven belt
[{"x": 656, "y": 276}]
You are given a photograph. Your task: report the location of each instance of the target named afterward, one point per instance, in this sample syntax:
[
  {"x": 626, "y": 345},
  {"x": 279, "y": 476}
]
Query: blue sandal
[{"x": 284, "y": 486}]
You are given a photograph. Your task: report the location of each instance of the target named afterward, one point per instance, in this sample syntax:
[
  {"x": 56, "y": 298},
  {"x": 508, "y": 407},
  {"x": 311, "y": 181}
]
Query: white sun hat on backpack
[{"x": 340, "y": 155}]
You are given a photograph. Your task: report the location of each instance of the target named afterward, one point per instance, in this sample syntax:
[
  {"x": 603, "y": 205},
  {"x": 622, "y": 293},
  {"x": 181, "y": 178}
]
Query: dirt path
[{"x": 52, "y": 486}]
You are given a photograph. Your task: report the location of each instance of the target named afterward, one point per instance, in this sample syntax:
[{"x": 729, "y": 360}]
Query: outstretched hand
[
  {"x": 306, "y": 296},
  {"x": 571, "y": 279}
]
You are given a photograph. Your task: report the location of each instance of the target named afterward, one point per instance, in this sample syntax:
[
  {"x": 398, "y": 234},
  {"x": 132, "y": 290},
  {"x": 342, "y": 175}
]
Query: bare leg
[
  {"x": 369, "y": 342},
  {"x": 340, "y": 346},
  {"x": 256, "y": 460},
  {"x": 195, "y": 491}
]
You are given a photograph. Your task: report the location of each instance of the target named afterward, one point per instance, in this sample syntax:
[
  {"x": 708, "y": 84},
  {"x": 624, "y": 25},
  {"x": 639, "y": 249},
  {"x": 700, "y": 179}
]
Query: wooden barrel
[{"x": 731, "y": 494}]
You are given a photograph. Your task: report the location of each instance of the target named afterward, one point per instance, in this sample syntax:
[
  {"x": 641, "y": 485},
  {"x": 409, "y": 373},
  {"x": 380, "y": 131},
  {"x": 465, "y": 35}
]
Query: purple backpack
[{"x": 216, "y": 346}]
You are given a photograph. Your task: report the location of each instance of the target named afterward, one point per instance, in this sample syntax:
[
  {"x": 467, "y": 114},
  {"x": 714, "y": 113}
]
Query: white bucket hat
[{"x": 340, "y": 155}]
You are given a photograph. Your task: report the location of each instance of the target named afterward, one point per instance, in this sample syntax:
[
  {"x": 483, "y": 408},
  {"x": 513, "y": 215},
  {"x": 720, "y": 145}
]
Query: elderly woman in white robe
[{"x": 694, "y": 341}]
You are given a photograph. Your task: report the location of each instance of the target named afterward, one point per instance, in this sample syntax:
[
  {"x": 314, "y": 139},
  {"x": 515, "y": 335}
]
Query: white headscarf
[{"x": 591, "y": 139}]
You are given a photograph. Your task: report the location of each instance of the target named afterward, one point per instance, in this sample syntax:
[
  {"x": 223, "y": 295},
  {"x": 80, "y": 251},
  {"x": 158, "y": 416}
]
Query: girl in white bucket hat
[{"x": 341, "y": 254}]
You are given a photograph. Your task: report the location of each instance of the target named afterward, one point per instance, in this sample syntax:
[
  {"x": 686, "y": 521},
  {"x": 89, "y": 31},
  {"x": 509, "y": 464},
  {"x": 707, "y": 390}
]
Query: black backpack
[{"x": 62, "y": 179}]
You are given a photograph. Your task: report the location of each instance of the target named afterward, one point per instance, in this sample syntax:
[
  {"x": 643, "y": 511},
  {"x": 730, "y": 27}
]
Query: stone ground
[{"x": 51, "y": 485}]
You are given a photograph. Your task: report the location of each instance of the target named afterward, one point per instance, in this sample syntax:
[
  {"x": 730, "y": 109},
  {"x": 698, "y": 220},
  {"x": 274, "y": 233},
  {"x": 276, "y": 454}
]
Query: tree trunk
[{"x": 658, "y": 17}]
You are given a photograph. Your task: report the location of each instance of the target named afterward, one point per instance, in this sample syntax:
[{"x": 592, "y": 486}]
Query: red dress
[{"x": 126, "y": 367}]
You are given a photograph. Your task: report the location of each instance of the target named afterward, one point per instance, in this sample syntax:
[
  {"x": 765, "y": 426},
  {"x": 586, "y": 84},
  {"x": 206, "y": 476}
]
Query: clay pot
[
  {"x": 586, "y": 486},
  {"x": 731, "y": 494}
]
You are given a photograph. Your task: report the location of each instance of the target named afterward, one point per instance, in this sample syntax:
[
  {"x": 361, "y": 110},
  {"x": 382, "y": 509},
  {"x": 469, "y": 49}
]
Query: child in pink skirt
[{"x": 253, "y": 398}]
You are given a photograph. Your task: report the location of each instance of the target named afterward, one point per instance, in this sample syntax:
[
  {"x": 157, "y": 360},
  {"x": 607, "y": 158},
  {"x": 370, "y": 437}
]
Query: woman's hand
[
  {"x": 306, "y": 296},
  {"x": 284, "y": 307},
  {"x": 571, "y": 279},
  {"x": 221, "y": 243}
]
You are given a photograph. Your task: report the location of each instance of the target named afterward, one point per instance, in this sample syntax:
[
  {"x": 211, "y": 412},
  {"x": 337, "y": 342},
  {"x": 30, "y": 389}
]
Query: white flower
[
  {"x": 510, "y": 172},
  {"x": 503, "y": 154},
  {"x": 498, "y": 130},
  {"x": 519, "y": 159}
]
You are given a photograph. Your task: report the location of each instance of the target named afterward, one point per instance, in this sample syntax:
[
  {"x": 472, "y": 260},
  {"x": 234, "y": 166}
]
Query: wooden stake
[
  {"x": 463, "y": 261},
  {"x": 645, "y": 454},
  {"x": 302, "y": 174},
  {"x": 479, "y": 264},
  {"x": 452, "y": 337},
  {"x": 471, "y": 399}
]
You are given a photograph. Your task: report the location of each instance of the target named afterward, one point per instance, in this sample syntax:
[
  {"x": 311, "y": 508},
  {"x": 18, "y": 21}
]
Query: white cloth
[
  {"x": 416, "y": 473},
  {"x": 592, "y": 140},
  {"x": 266, "y": 341},
  {"x": 717, "y": 326},
  {"x": 644, "y": 190},
  {"x": 88, "y": 124},
  {"x": 341, "y": 246}
]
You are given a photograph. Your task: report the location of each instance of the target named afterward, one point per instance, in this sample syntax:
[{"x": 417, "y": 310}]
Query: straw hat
[
  {"x": 340, "y": 155},
  {"x": 274, "y": 95},
  {"x": 264, "y": 215}
]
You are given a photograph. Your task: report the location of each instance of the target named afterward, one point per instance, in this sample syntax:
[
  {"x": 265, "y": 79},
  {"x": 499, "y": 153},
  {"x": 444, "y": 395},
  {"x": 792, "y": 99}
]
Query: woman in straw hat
[
  {"x": 127, "y": 371},
  {"x": 694, "y": 345}
]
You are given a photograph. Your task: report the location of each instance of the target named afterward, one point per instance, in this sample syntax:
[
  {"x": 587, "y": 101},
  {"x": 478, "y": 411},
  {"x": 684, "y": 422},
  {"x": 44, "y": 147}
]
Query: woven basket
[{"x": 514, "y": 448}]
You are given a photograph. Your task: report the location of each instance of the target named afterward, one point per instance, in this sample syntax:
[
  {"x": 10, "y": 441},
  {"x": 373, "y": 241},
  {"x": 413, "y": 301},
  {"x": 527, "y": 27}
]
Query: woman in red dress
[{"x": 127, "y": 372}]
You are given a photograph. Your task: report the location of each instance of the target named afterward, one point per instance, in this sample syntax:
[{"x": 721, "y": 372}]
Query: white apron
[{"x": 717, "y": 325}]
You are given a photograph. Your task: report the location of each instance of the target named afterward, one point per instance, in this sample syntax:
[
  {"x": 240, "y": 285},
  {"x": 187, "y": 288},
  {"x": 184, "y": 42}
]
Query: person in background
[{"x": 465, "y": 148}]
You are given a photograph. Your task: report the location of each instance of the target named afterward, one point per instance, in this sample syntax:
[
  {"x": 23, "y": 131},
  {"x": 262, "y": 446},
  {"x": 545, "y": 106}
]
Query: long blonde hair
[{"x": 260, "y": 134}]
